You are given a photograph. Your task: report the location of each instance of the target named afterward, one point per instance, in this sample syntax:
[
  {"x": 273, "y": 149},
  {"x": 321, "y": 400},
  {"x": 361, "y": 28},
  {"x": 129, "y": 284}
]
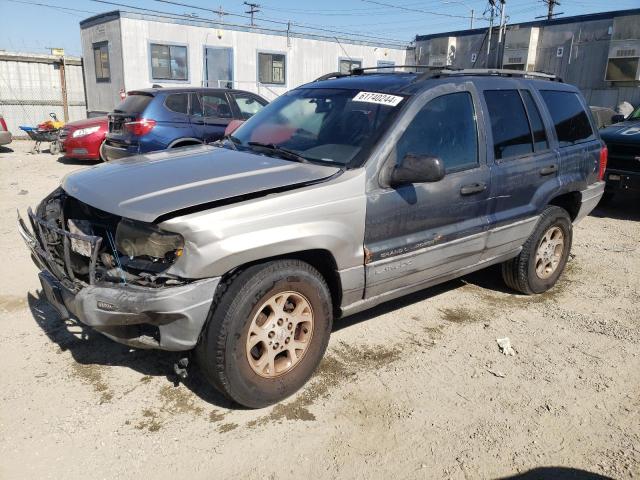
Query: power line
[
  {"x": 409, "y": 9},
  {"x": 550, "y": 4},
  {"x": 349, "y": 35}
]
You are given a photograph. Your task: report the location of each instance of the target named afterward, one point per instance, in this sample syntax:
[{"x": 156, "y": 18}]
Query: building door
[{"x": 218, "y": 67}]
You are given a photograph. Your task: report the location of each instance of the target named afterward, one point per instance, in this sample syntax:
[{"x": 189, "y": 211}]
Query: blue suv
[{"x": 160, "y": 118}]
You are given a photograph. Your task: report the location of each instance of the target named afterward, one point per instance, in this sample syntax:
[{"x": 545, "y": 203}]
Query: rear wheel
[
  {"x": 267, "y": 332},
  {"x": 543, "y": 256}
]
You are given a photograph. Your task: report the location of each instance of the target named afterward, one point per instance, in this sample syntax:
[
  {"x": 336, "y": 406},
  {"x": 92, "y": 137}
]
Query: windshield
[{"x": 325, "y": 125}]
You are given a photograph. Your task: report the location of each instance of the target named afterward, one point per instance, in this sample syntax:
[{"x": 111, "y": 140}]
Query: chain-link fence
[{"x": 34, "y": 86}]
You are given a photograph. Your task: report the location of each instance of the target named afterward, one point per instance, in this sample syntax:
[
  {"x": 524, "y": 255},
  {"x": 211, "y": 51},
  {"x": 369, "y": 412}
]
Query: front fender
[{"x": 327, "y": 216}]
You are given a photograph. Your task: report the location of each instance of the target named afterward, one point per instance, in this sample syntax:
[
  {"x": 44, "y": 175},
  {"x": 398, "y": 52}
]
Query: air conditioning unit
[
  {"x": 442, "y": 52},
  {"x": 623, "y": 62},
  {"x": 520, "y": 48}
]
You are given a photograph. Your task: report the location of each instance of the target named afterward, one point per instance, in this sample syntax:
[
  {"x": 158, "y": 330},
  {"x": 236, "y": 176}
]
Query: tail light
[
  {"x": 140, "y": 127},
  {"x": 604, "y": 153},
  {"x": 3, "y": 124}
]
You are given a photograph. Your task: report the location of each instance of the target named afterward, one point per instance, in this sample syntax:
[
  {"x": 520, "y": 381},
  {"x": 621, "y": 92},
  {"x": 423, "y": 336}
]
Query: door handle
[
  {"x": 473, "y": 188},
  {"x": 549, "y": 170}
]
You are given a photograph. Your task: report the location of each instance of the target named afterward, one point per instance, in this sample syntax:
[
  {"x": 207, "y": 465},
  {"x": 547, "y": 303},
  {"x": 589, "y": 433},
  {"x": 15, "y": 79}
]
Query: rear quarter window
[
  {"x": 135, "y": 103},
  {"x": 178, "y": 102},
  {"x": 570, "y": 119}
]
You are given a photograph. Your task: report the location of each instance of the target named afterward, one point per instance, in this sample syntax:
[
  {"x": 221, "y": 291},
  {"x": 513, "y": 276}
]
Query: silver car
[
  {"x": 5, "y": 134},
  {"x": 339, "y": 195}
]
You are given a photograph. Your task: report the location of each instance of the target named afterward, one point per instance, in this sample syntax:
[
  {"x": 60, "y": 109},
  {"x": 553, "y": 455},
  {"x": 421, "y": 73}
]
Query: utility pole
[
  {"x": 550, "y": 5},
  {"x": 501, "y": 34},
  {"x": 472, "y": 12},
  {"x": 253, "y": 9},
  {"x": 492, "y": 10}
]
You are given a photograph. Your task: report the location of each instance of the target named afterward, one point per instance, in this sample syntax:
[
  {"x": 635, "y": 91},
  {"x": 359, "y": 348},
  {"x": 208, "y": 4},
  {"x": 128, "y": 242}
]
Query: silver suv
[{"x": 341, "y": 194}]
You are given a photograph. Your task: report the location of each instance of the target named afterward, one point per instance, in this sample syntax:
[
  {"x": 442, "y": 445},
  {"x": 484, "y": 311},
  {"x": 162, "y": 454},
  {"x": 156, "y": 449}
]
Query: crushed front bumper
[{"x": 165, "y": 317}]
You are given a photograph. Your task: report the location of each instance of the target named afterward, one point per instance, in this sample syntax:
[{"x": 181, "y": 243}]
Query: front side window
[
  {"x": 101, "y": 61},
  {"x": 168, "y": 62},
  {"x": 335, "y": 126},
  {"x": 272, "y": 68},
  {"x": 445, "y": 128},
  {"x": 569, "y": 117},
  {"x": 346, "y": 65},
  {"x": 509, "y": 124},
  {"x": 248, "y": 105}
]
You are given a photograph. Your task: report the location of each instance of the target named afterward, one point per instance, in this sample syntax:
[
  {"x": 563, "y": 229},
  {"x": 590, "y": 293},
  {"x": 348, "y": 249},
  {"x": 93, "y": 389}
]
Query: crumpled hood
[
  {"x": 627, "y": 132},
  {"x": 149, "y": 186}
]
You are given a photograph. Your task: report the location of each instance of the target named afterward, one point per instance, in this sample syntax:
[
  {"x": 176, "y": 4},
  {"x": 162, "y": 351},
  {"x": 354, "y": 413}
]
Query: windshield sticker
[{"x": 381, "y": 98}]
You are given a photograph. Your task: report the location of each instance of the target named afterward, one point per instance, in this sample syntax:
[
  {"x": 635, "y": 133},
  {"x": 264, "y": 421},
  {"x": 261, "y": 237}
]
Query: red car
[{"x": 83, "y": 140}]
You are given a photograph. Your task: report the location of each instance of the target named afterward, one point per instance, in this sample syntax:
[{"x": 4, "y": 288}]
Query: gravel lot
[{"x": 413, "y": 389}]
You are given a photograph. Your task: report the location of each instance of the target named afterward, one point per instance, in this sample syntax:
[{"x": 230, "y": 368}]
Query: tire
[
  {"x": 523, "y": 273},
  {"x": 101, "y": 156},
  {"x": 234, "y": 324}
]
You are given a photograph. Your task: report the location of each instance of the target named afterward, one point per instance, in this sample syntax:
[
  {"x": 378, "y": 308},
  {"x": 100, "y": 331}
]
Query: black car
[
  {"x": 623, "y": 142},
  {"x": 159, "y": 118}
]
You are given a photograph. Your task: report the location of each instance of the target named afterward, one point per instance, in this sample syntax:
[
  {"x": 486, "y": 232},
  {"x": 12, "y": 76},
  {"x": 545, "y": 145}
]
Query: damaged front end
[{"x": 111, "y": 273}]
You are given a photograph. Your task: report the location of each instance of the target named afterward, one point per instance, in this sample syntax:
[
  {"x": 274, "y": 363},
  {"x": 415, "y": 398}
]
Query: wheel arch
[
  {"x": 569, "y": 201},
  {"x": 320, "y": 259},
  {"x": 184, "y": 142}
]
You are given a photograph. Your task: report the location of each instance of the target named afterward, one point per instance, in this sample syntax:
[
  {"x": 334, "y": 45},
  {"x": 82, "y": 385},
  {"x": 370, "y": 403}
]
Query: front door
[
  {"x": 211, "y": 115},
  {"x": 416, "y": 233},
  {"x": 218, "y": 67}
]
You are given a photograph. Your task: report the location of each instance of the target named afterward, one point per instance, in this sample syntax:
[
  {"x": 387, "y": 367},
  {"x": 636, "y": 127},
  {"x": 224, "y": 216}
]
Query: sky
[{"x": 27, "y": 27}]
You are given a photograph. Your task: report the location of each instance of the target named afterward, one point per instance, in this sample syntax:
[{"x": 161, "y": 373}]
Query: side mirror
[
  {"x": 617, "y": 118},
  {"x": 417, "y": 169}
]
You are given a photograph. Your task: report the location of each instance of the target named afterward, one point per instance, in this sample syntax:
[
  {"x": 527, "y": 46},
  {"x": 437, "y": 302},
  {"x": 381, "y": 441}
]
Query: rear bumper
[
  {"x": 590, "y": 198},
  {"x": 167, "y": 318},
  {"x": 112, "y": 152},
  {"x": 622, "y": 180},
  {"x": 163, "y": 317},
  {"x": 5, "y": 138}
]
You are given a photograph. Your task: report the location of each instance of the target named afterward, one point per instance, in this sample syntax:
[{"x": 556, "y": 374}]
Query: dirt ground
[{"x": 416, "y": 388}]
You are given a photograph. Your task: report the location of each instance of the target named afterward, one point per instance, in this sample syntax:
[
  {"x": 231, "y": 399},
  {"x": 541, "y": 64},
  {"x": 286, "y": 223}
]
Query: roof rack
[
  {"x": 439, "y": 72},
  {"x": 498, "y": 72}
]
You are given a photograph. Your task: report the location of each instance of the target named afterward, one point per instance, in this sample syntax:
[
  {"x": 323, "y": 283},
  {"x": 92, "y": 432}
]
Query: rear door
[
  {"x": 419, "y": 232},
  {"x": 216, "y": 115},
  {"x": 525, "y": 167},
  {"x": 577, "y": 143},
  {"x": 174, "y": 123}
]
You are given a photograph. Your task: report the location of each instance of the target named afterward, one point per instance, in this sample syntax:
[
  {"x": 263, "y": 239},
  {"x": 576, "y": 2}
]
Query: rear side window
[
  {"x": 135, "y": 103},
  {"x": 509, "y": 124},
  {"x": 444, "y": 128},
  {"x": 178, "y": 102},
  {"x": 569, "y": 117},
  {"x": 539, "y": 133}
]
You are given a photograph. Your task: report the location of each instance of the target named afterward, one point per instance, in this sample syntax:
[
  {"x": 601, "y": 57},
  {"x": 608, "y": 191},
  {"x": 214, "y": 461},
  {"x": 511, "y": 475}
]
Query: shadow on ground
[
  {"x": 6, "y": 149},
  {"x": 557, "y": 473},
  {"x": 73, "y": 161},
  {"x": 89, "y": 347},
  {"x": 623, "y": 206}
]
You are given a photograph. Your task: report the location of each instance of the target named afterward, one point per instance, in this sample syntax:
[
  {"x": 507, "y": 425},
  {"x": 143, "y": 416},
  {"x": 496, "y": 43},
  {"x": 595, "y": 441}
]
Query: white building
[{"x": 124, "y": 51}]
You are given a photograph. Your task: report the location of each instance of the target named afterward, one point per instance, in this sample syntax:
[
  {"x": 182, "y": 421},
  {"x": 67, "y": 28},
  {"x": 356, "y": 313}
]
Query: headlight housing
[
  {"x": 85, "y": 131},
  {"x": 137, "y": 239}
]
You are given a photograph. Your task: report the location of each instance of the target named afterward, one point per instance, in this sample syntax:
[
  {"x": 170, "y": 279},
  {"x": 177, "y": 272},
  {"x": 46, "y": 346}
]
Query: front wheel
[
  {"x": 543, "y": 256},
  {"x": 267, "y": 333}
]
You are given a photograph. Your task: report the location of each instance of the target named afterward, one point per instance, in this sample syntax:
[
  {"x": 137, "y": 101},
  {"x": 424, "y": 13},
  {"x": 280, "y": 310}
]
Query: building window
[
  {"x": 345, "y": 65},
  {"x": 101, "y": 61},
  {"x": 169, "y": 62},
  {"x": 272, "y": 68},
  {"x": 622, "y": 69}
]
